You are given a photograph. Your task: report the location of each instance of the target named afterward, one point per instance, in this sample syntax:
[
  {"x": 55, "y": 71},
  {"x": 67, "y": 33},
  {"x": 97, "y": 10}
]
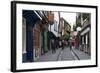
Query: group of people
[{"x": 55, "y": 44}]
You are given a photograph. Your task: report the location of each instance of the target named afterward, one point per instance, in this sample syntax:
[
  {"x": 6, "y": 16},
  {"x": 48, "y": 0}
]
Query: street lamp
[{"x": 78, "y": 28}]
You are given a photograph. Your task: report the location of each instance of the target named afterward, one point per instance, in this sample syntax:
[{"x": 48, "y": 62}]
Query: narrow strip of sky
[{"x": 69, "y": 17}]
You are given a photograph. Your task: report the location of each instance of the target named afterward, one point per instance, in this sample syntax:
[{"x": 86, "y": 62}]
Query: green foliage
[{"x": 66, "y": 37}]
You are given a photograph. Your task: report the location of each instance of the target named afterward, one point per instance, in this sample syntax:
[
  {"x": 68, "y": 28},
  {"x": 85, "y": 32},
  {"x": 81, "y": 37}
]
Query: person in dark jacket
[
  {"x": 70, "y": 44},
  {"x": 57, "y": 44},
  {"x": 62, "y": 44},
  {"x": 53, "y": 46}
]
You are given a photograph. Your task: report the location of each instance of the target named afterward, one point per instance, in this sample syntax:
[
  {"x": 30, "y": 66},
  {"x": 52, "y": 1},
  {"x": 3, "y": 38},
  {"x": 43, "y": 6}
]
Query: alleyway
[
  {"x": 64, "y": 55},
  {"x": 47, "y": 30}
]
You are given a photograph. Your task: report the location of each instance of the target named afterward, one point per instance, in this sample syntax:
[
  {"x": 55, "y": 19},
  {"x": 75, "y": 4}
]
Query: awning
[
  {"x": 31, "y": 17},
  {"x": 51, "y": 35},
  {"x": 85, "y": 31}
]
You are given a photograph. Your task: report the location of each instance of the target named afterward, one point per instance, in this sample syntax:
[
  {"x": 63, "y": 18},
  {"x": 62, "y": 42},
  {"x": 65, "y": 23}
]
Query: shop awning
[
  {"x": 51, "y": 35},
  {"x": 31, "y": 17}
]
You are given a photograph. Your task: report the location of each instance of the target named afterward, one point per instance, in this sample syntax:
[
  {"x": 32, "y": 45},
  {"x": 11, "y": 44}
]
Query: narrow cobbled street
[
  {"x": 56, "y": 36},
  {"x": 62, "y": 55}
]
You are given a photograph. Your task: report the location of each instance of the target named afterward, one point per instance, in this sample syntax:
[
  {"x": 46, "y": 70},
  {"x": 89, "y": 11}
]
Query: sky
[{"x": 69, "y": 17}]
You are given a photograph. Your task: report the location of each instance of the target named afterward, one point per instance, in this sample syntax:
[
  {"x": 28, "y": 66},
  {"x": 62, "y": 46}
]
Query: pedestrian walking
[
  {"x": 70, "y": 44},
  {"x": 57, "y": 44},
  {"x": 62, "y": 44},
  {"x": 53, "y": 46}
]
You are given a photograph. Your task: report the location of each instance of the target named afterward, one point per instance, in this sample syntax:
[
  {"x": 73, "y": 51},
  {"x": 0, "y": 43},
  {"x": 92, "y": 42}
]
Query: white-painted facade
[{"x": 54, "y": 28}]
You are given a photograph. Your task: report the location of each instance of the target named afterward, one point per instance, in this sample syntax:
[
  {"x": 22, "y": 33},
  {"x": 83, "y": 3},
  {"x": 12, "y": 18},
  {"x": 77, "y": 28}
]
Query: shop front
[
  {"x": 85, "y": 40},
  {"x": 31, "y": 19}
]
